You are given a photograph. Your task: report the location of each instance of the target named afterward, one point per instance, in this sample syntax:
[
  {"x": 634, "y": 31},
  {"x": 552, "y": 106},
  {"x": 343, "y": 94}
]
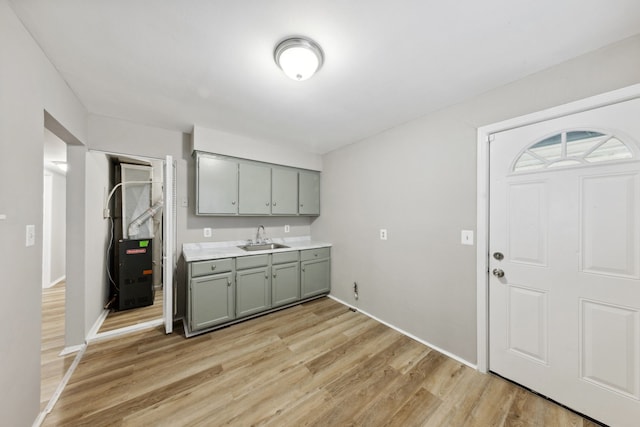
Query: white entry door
[{"x": 564, "y": 289}]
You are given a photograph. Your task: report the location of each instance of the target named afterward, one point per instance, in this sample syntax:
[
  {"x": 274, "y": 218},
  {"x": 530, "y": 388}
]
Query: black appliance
[{"x": 134, "y": 274}]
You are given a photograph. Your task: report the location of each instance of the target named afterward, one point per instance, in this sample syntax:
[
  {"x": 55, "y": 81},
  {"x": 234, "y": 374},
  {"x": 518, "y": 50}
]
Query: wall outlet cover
[
  {"x": 383, "y": 234},
  {"x": 287, "y": 228},
  {"x": 207, "y": 232},
  {"x": 31, "y": 235},
  {"x": 466, "y": 237}
]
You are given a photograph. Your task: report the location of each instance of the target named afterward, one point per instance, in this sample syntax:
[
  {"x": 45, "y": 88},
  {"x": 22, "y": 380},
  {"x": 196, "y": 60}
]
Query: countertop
[{"x": 217, "y": 250}]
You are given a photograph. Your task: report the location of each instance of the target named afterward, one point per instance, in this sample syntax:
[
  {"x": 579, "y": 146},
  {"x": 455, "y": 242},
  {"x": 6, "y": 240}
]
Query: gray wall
[
  {"x": 29, "y": 85},
  {"x": 419, "y": 181}
]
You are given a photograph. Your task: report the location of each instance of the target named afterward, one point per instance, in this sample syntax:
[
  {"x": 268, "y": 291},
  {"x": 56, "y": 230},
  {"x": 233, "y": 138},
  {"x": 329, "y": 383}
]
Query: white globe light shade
[{"x": 299, "y": 58}]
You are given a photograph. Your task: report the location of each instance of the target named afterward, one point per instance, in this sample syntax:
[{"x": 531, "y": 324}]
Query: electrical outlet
[
  {"x": 383, "y": 234},
  {"x": 287, "y": 228},
  {"x": 31, "y": 235},
  {"x": 466, "y": 237},
  {"x": 207, "y": 232}
]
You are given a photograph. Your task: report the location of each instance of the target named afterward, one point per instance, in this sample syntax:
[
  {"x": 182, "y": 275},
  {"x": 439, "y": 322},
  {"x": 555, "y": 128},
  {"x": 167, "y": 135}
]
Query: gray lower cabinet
[
  {"x": 315, "y": 272},
  {"x": 253, "y": 285},
  {"x": 285, "y": 284},
  {"x": 253, "y": 291},
  {"x": 211, "y": 300},
  {"x": 224, "y": 290}
]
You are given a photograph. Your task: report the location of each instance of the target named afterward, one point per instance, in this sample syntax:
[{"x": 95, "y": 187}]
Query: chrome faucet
[{"x": 258, "y": 240}]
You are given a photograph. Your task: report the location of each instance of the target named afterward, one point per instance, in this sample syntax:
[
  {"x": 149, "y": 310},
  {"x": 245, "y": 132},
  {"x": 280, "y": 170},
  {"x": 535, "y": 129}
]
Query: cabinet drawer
[
  {"x": 318, "y": 253},
  {"x": 204, "y": 268},
  {"x": 252, "y": 261},
  {"x": 284, "y": 257}
]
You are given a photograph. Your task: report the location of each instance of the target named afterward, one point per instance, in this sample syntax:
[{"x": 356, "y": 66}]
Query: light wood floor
[
  {"x": 120, "y": 319},
  {"x": 53, "y": 366},
  {"x": 315, "y": 364}
]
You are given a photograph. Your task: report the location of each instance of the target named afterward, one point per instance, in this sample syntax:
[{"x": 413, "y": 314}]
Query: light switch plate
[
  {"x": 207, "y": 232},
  {"x": 3, "y": 217},
  {"x": 466, "y": 237},
  {"x": 287, "y": 228},
  {"x": 31, "y": 235},
  {"x": 184, "y": 202},
  {"x": 383, "y": 234}
]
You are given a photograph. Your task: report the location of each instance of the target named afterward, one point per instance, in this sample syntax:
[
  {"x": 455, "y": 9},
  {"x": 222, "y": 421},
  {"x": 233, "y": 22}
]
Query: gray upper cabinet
[
  {"x": 309, "y": 193},
  {"x": 216, "y": 186},
  {"x": 284, "y": 191},
  {"x": 255, "y": 189},
  {"x": 229, "y": 186}
]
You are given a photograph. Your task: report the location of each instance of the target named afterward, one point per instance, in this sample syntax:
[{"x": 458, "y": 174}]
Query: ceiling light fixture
[{"x": 298, "y": 57}]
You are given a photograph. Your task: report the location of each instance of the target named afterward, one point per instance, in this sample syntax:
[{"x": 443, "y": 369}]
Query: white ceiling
[{"x": 173, "y": 64}]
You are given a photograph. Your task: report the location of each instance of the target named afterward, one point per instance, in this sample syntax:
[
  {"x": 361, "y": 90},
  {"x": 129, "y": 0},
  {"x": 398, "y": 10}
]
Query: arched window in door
[{"x": 572, "y": 148}]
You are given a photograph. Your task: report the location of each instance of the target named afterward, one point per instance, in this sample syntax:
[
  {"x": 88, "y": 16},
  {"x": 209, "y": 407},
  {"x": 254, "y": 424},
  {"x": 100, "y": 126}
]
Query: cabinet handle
[
  {"x": 233, "y": 203},
  {"x": 302, "y": 268},
  {"x": 266, "y": 276},
  {"x": 213, "y": 267},
  {"x": 274, "y": 203},
  {"x": 315, "y": 254},
  {"x": 274, "y": 275},
  {"x": 267, "y": 204},
  {"x": 228, "y": 282},
  {"x": 301, "y": 205}
]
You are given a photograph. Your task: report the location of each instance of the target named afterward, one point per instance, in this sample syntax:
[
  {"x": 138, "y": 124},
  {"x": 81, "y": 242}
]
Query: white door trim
[{"x": 484, "y": 135}]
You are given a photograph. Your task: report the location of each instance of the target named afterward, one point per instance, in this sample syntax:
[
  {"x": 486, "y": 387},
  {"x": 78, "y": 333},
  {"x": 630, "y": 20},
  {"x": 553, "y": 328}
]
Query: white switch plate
[
  {"x": 466, "y": 237},
  {"x": 207, "y": 232},
  {"x": 383, "y": 234},
  {"x": 31, "y": 235},
  {"x": 287, "y": 228},
  {"x": 3, "y": 217},
  {"x": 184, "y": 202}
]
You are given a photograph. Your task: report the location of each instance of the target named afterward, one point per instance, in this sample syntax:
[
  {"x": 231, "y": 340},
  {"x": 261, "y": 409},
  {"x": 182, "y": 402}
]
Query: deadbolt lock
[{"x": 498, "y": 256}]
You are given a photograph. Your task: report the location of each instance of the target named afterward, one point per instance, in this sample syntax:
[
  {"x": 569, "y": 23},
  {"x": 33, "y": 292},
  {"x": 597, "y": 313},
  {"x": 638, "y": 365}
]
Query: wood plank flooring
[
  {"x": 315, "y": 364},
  {"x": 53, "y": 366},
  {"x": 121, "y": 319}
]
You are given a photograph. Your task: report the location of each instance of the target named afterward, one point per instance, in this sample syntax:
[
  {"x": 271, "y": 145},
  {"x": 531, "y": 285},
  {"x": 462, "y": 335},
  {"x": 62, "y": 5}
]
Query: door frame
[{"x": 484, "y": 138}]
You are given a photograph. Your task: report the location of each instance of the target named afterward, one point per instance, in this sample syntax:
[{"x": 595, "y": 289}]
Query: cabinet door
[
  {"x": 284, "y": 191},
  {"x": 211, "y": 300},
  {"x": 285, "y": 284},
  {"x": 253, "y": 291},
  {"x": 315, "y": 277},
  {"x": 217, "y": 186},
  {"x": 255, "y": 189},
  {"x": 309, "y": 193}
]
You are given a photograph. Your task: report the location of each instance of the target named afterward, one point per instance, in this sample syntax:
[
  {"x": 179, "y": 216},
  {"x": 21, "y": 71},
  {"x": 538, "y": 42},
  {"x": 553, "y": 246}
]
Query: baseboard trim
[
  {"x": 124, "y": 331},
  {"x": 71, "y": 349},
  {"x": 407, "y": 334},
  {"x": 56, "y": 395},
  {"x": 55, "y": 282},
  {"x": 97, "y": 324}
]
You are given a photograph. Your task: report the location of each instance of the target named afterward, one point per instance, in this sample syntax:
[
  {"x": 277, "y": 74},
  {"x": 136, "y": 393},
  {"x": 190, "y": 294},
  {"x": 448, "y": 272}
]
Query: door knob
[{"x": 498, "y": 272}]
